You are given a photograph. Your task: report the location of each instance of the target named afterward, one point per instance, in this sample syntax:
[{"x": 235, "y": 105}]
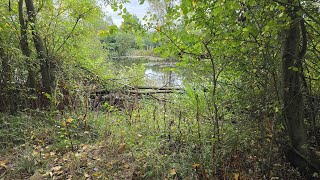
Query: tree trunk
[
  {"x": 47, "y": 77},
  {"x": 292, "y": 92},
  {"x": 24, "y": 45},
  {"x": 4, "y": 82},
  {"x": 294, "y": 49},
  {"x": 7, "y": 89}
]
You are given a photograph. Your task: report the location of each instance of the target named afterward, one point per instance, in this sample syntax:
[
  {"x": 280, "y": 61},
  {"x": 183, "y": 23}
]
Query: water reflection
[
  {"x": 157, "y": 73},
  {"x": 159, "y": 76}
]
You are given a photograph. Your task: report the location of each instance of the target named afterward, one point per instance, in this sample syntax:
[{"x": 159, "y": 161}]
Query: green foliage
[
  {"x": 15, "y": 130},
  {"x": 124, "y": 42},
  {"x": 225, "y": 121}
]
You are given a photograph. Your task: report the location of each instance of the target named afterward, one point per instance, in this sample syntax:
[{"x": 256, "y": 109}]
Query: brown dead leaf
[
  {"x": 69, "y": 177},
  {"x": 121, "y": 147},
  {"x": 35, "y": 152},
  {"x": 109, "y": 165},
  {"x": 86, "y": 175},
  {"x": 127, "y": 166},
  {"x": 84, "y": 147},
  {"x": 57, "y": 168},
  {"x": 47, "y": 175},
  {"x": 206, "y": 174}
]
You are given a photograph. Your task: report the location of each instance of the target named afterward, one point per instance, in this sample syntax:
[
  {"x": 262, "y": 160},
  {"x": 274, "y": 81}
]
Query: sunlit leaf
[
  {"x": 4, "y": 163},
  {"x": 236, "y": 176},
  {"x": 173, "y": 172}
]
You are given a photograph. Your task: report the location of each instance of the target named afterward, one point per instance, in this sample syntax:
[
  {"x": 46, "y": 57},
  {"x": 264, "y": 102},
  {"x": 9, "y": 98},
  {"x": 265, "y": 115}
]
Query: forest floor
[{"x": 34, "y": 147}]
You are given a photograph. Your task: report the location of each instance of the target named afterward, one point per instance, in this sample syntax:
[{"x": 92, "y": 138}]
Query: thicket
[{"x": 249, "y": 105}]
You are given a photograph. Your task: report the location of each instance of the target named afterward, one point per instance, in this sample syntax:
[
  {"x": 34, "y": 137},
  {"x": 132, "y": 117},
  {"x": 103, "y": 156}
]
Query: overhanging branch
[
  {"x": 72, "y": 30},
  {"x": 69, "y": 35}
]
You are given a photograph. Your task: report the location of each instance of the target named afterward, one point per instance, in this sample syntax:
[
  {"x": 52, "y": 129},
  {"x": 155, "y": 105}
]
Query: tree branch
[
  {"x": 299, "y": 7},
  {"x": 181, "y": 50},
  {"x": 69, "y": 35},
  {"x": 73, "y": 28},
  {"x": 304, "y": 39}
]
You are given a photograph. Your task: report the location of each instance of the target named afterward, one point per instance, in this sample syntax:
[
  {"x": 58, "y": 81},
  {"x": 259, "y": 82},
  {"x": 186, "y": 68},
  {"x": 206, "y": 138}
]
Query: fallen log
[
  {"x": 152, "y": 92},
  {"x": 157, "y": 88}
]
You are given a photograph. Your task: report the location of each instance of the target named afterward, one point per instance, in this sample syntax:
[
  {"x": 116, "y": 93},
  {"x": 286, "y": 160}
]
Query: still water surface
[
  {"x": 157, "y": 73},
  {"x": 161, "y": 74}
]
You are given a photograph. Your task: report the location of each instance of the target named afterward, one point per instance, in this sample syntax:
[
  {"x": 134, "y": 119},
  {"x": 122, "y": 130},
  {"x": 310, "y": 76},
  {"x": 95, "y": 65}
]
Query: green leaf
[
  {"x": 141, "y": 2},
  {"x": 281, "y": 14},
  {"x": 293, "y": 68}
]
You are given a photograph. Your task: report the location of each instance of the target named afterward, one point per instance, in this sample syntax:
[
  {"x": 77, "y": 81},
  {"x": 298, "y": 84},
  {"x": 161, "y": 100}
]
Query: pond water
[
  {"x": 157, "y": 73},
  {"x": 161, "y": 74}
]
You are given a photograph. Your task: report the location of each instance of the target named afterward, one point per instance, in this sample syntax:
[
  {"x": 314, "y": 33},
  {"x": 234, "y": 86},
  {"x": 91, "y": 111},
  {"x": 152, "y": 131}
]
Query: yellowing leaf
[
  {"x": 69, "y": 120},
  {"x": 173, "y": 172},
  {"x": 194, "y": 3},
  {"x": 237, "y": 176},
  {"x": 139, "y": 135},
  {"x": 96, "y": 174},
  {"x": 181, "y": 13},
  {"x": 4, "y": 163},
  {"x": 35, "y": 152},
  {"x": 195, "y": 166}
]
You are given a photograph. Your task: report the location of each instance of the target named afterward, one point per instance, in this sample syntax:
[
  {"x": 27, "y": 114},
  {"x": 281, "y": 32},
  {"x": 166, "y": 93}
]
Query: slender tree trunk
[
  {"x": 45, "y": 64},
  {"x": 4, "y": 80},
  {"x": 8, "y": 98},
  {"x": 24, "y": 45}
]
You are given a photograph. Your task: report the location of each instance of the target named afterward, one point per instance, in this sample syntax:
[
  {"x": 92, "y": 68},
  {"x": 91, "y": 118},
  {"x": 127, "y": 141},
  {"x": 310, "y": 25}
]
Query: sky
[{"x": 133, "y": 7}]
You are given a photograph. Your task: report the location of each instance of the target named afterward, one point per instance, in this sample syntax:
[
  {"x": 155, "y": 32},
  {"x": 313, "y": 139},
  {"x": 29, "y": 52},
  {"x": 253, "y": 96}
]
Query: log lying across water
[
  {"x": 147, "y": 90},
  {"x": 153, "y": 92},
  {"x": 158, "y": 88}
]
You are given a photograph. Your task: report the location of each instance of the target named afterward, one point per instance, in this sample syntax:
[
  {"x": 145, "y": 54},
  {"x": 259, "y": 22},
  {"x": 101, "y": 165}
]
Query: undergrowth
[{"x": 156, "y": 140}]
